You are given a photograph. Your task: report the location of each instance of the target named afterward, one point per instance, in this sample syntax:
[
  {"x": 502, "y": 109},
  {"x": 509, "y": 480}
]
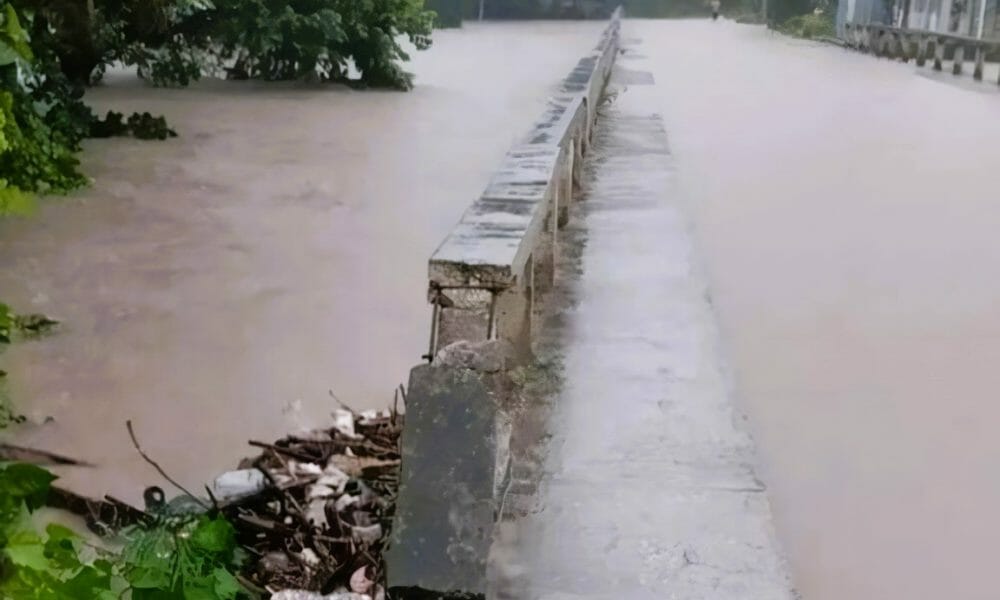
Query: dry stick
[
  {"x": 22, "y": 454},
  {"x": 286, "y": 451},
  {"x": 258, "y": 464},
  {"x": 395, "y": 409},
  {"x": 341, "y": 402},
  {"x": 251, "y": 585},
  {"x": 158, "y": 468},
  {"x": 211, "y": 496}
]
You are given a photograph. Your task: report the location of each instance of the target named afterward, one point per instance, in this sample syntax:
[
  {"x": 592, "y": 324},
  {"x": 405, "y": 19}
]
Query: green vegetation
[
  {"x": 810, "y": 26},
  {"x": 193, "y": 557},
  {"x": 312, "y": 39},
  {"x": 35, "y": 153},
  {"x": 49, "y": 52},
  {"x": 12, "y": 327}
]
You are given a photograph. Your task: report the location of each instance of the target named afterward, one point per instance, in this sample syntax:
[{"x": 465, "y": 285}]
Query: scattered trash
[
  {"x": 301, "y": 595},
  {"x": 360, "y": 582},
  {"x": 313, "y": 511},
  {"x": 322, "y": 517},
  {"x": 343, "y": 422},
  {"x": 235, "y": 485}
]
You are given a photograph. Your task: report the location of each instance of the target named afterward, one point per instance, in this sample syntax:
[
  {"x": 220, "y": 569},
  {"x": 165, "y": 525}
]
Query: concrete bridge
[
  {"x": 760, "y": 268},
  {"x": 833, "y": 277}
]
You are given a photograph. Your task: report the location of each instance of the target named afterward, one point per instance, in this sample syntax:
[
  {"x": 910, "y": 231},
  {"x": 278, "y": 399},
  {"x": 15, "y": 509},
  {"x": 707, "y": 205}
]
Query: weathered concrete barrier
[
  {"x": 485, "y": 275},
  {"x": 921, "y": 45},
  {"x": 455, "y": 475},
  {"x": 484, "y": 282}
]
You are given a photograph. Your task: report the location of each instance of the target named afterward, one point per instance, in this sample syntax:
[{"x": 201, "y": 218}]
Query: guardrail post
[
  {"x": 515, "y": 306},
  {"x": 567, "y": 181},
  {"x": 956, "y": 68},
  {"x": 545, "y": 252},
  {"x": 921, "y": 50},
  {"x": 908, "y": 45},
  {"x": 461, "y": 314}
]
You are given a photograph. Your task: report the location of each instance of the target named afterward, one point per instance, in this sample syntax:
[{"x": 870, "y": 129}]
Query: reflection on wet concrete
[{"x": 216, "y": 286}]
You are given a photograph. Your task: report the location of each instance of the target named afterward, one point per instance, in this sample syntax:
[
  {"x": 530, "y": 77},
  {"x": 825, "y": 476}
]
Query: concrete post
[
  {"x": 545, "y": 252},
  {"x": 514, "y": 310},
  {"x": 938, "y": 53},
  {"x": 577, "y": 172},
  {"x": 456, "y": 455},
  {"x": 904, "y": 46},
  {"x": 461, "y": 315},
  {"x": 977, "y": 72},
  {"x": 956, "y": 68},
  {"x": 921, "y": 50},
  {"x": 567, "y": 176}
]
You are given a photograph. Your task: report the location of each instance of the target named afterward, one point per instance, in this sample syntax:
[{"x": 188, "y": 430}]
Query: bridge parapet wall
[{"x": 484, "y": 282}]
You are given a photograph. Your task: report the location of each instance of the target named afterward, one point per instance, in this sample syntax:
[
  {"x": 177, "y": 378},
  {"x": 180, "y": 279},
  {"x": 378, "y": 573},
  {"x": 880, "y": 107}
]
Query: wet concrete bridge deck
[{"x": 845, "y": 213}]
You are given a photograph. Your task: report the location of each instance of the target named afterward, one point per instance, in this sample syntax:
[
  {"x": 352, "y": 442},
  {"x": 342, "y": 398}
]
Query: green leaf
[
  {"x": 15, "y": 202},
  {"x": 200, "y": 588},
  {"x": 26, "y": 482},
  {"x": 226, "y": 584},
  {"x": 13, "y": 37},
  {"x": 214, "y": 535},
  {"x": 150, "y": 577},
  {"x": 59, "y": 548},
  {"x": 6, "y": 314},
  {"x": 103, "y": 566},
  {"x": 25, "y": 549},
  {"x": 148, "y": 558},
  {"x": 87, "y": 583}
]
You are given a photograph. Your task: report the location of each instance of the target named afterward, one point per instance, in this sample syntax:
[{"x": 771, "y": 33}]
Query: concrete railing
[
  {"x": 486, "y": 276},
  {"x": 920, "y": 45},
  {"x": 484, "y": 283}
]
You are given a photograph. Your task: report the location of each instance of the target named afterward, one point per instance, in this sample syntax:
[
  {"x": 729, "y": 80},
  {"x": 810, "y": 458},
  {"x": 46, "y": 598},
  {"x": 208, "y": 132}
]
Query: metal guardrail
[
  {"x": 920, "y": 45},
  {"x": 485, "y": 277}
]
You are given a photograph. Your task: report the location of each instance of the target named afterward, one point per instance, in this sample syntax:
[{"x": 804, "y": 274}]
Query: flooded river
[
  {"x": 848, "y": 213},
  {"x": 276, "y": 250}
]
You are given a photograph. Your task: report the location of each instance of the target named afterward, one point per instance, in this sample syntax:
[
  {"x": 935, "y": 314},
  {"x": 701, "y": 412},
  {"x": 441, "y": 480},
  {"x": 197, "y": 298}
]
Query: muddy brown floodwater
[
  {"x": 848, "y": 211},
  {"x": 274, "y": 251}
]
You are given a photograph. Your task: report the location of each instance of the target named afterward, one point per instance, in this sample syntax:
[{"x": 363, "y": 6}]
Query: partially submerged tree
[
  {"x": 319, "y": 39},
  {"x": 173, "y": 42},
  {"x": 51, "y": 49}
]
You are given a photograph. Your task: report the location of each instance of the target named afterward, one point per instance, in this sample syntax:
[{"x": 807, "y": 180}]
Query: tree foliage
[
  {"x": 51, "y": 49},
  {"x": 174, "y": 42}
]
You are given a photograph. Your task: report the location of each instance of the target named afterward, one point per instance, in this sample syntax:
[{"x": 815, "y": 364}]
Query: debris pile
[{"x": 314, "y": 508}]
